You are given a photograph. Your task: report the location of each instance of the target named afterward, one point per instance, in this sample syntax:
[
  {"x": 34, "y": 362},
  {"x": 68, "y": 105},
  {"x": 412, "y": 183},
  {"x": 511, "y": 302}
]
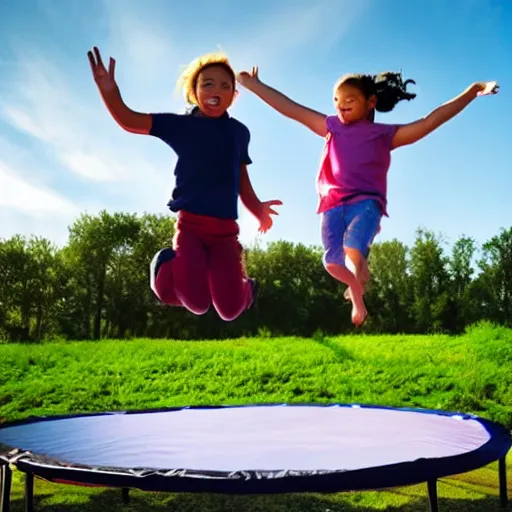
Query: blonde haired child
[{"x": 205, "y": 265}]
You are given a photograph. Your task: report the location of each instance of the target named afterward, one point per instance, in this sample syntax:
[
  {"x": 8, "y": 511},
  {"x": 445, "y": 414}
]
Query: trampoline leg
[
  {"x": 126, "y": 495},
  {"x": 502, "y": 470},
  {"x": 6, "y": 479},
  {"x": 432, "y": 496},
  {"x": 29, "y": 492}
]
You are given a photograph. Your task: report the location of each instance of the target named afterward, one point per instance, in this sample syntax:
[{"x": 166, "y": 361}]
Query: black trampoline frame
[{"x": 496, "y": 449}]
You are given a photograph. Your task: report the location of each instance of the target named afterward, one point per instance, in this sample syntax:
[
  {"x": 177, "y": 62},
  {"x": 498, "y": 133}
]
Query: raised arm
[
  {"x": 413, "y": 132},
  {"x": 131, "y": 121},
  {"x": 312, "y": 119}
]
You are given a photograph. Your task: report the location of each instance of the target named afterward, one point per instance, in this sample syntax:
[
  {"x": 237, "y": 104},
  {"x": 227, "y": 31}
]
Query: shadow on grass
[
  {"x": 340, "y": 352},
  {"x": 110, "y": 500}
]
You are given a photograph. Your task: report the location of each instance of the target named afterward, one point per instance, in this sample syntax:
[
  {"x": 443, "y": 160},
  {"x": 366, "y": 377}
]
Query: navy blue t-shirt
[{"x": 210, "y": 153}]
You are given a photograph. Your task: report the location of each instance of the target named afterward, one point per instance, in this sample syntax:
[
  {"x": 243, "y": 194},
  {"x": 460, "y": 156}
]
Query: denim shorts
[{"x": 351, "y": 226}]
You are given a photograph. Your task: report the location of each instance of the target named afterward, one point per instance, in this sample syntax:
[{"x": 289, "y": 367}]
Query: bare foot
[
  {"x": 359, "y": 311},
  {"x": 344, "y": 275},
  {"x": 363, "y": 276}
]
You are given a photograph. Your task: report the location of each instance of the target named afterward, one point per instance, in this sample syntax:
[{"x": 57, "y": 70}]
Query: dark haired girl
[{"x": 352, "y": 179}]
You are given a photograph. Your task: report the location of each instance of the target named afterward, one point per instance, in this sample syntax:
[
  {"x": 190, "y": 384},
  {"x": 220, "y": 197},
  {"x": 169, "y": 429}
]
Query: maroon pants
[{"x": 208, "y": 268}]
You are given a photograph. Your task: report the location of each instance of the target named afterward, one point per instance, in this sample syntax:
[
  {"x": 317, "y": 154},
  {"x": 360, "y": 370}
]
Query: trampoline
[{"x": 253, "y": 449}]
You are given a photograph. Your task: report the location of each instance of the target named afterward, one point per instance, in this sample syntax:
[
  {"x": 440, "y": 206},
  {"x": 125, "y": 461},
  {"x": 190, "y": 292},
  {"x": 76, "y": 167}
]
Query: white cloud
[
  {"x": 23, "y": 121},
  {"x": 28, "y": 206},
  {"x": 73, "y": 124},
  {"x": 69, "y": 138},
  {"x": 89, "y": 166},
  {"x": 72, "y": 127},
  {"x": 23, "y": 196},
  {"x": 53, "y": 227}
]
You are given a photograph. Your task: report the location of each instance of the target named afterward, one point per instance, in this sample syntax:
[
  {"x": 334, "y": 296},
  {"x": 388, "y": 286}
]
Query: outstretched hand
[
  {"x": 105, "y": 80},
  {"x": 264, "y": 216},
  {"x": 487, "y": 88},
  {"x": 248, "y": 78}
]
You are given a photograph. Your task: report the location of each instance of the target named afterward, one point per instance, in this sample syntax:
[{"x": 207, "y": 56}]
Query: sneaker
[
  {"x": 255, "y": 288},
  {"x": 162, "y": 256}
]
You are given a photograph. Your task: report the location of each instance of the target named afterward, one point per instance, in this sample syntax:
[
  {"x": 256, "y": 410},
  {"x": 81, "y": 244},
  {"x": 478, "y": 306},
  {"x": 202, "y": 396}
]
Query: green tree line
[{"x": 96, "y": 286}]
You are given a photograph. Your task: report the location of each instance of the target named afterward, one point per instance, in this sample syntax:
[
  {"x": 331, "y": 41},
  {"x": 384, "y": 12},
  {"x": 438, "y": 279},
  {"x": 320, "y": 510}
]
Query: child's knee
[
  {"x": 199, "y": 304},
  {"x": 354, "y": 259},
  {"x": 333, "y": 256},
  {"x": 334, "y": 269},
  {"x": 201, "y": 309},
  {"x": 230, "y": 306},
  {"x": 230, "y": 314}
]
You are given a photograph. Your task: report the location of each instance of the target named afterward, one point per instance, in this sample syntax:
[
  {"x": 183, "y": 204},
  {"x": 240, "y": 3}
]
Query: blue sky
[{"x": 61, "y": 154}]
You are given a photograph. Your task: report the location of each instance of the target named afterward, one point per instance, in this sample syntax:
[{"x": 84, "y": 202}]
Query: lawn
[{"x": 470, "y": 373}]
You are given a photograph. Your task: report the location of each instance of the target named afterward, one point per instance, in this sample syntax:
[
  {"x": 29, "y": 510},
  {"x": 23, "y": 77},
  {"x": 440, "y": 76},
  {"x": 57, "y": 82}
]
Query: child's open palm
[
  {"x": 105, "y": 80},
  {"x": 265, "y": 215}
]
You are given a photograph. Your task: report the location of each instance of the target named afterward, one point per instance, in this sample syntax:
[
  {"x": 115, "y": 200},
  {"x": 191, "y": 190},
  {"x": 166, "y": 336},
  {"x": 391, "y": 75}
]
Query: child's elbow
[{"x": 133, "y": 122}]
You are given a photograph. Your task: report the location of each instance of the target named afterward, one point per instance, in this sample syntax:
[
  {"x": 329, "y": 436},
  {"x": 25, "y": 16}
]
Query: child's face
[
  {"x": 351, "y": 104},
  {"x": 214, "y": 91}
]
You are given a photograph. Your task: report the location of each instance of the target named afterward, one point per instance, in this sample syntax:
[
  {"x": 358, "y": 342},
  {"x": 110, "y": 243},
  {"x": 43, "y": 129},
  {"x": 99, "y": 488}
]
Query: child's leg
[
  {"x": 364, "y": 274},
  {"x": 363, "y": 225},
  {"x": 232, "y": 291},
  {"x": 161, "y": 277},
  {"x": 179, "y": 276},
  {"x": 333, "y": 229}
]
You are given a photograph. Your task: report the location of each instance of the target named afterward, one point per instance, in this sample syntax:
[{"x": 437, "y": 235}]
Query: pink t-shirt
[{"x": 355, "y": 163}]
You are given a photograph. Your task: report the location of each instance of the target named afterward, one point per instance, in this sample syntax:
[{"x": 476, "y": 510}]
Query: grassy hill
[{"x": 470, "y": 373}]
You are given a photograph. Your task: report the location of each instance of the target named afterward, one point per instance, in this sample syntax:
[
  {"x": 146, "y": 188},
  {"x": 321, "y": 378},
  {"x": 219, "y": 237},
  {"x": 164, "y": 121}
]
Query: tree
[
  {"x": 98, "y": 285},
  {"x": 47, "y": 284},
  {"x": 390, "y": 291},
  {"x": 31, "y": 286},
  {"x": 16, "y": 267},
  {"x": 131, "y": 305},
  {"x": 495, "y": 282},
  {"x": 430, "y": 279},
  {"x": 94, "y": 241},
  {"x": 461, "y": 274}
]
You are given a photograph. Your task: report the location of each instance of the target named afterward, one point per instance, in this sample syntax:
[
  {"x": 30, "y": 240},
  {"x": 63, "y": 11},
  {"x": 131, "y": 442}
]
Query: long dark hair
[{"x": 388, "y": 87}]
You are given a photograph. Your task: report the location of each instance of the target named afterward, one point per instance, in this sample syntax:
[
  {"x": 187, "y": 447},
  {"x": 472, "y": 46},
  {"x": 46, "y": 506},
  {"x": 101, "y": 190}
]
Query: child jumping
[
  {"x": 205, "y": 266},
  {"x": 352, "y": 178}
]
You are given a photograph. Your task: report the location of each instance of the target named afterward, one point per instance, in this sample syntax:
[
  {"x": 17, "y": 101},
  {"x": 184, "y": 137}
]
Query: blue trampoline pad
[{"x": 255, "y": 449}]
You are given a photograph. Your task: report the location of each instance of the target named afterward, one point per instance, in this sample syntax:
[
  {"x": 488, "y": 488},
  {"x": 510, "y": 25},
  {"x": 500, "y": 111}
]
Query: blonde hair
[{"x": 188, "y": 79}]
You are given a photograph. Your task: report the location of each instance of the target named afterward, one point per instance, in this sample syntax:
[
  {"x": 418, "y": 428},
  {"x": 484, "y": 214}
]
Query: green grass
[{"x": 470, "y": 373}]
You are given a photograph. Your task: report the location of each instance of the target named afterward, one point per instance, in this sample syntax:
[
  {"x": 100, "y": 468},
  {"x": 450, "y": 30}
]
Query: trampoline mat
[
  {"x": 254, "y": 448},
  {"x": 269, "y": 438}
]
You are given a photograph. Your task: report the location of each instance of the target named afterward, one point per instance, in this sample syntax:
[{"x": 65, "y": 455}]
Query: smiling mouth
[{"x": 214, "y": 102}]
